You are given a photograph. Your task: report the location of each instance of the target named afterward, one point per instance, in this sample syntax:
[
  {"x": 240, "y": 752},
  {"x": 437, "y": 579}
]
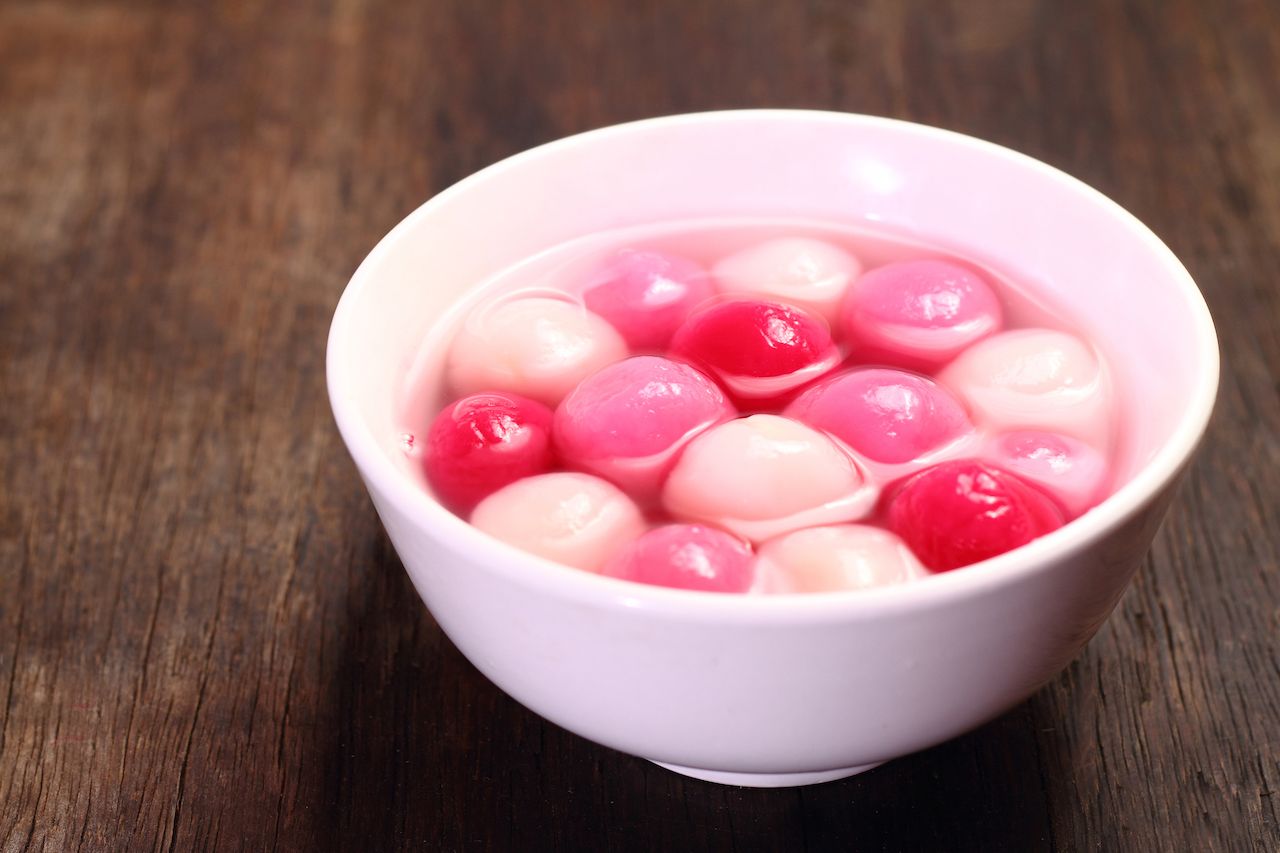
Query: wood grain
[{"x": 206, "y": 642}]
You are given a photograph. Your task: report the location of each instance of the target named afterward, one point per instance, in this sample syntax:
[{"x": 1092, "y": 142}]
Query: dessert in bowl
[{"x": 774, "y": 689}]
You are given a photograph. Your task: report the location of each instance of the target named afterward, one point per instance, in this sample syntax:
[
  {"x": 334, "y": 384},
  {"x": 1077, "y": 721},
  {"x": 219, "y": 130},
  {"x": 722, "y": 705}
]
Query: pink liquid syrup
[{"x": 1027, "y": 404}]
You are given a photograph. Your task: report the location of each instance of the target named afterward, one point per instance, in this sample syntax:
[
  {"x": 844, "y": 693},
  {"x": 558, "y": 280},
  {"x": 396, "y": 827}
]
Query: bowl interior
[{"x": 1121, "y": 285}]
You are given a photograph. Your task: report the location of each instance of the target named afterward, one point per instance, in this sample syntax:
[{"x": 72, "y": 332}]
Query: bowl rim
[{"x": 938, "y": 590}]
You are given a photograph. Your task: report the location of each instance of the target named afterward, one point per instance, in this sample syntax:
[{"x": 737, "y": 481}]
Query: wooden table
[{"x": 206, "y": 642}]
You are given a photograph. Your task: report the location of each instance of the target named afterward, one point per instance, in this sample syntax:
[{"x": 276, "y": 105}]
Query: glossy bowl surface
[{"x": 790, "y": 689}]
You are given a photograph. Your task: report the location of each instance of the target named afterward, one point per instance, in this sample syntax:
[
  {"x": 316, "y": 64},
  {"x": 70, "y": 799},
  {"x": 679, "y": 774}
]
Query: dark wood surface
[{"x": 206, "y": 642}]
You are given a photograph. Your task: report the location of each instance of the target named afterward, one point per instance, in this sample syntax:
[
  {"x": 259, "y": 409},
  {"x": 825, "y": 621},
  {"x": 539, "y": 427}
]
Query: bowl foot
[{"x": 768, "y": 780}]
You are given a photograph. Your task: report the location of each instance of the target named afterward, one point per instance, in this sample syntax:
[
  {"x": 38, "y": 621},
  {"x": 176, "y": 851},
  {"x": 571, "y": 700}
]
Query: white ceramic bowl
[{"x": 794, "y": 689}]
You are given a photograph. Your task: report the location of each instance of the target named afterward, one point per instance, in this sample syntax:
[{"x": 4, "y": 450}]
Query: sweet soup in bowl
[
  {"x": 764, "y": 407},
  {"x": 839, "y": 485}
]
